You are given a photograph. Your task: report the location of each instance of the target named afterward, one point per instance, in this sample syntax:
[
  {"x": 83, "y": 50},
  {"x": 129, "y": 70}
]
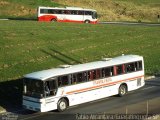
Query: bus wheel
[
  {"x": 62, "y": 105},
  {"x": 53, "y": 20},
  {"x": 86, "y": 21},
  {"x": 122, "y": 90}
]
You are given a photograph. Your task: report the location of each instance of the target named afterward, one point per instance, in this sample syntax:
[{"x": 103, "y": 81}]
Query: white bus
[
  {"x": 59, "y": 88},
  {"x": 67, "y": 14}
]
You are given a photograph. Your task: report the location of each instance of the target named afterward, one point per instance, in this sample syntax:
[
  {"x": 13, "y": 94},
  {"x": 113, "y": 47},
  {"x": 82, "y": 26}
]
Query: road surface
[{"x": 143, "y": 101}]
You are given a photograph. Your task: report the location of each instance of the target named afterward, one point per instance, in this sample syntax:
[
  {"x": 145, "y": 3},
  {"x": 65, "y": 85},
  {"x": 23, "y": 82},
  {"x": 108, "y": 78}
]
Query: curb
[
  {"x": 4, "y": 19},
  {"x": 149, "y": 77}
]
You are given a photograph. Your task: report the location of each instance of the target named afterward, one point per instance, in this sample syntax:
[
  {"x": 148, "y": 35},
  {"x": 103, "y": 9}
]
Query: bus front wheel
[
  {"x": 122, "y": 90},
  {"x": 62, "y": 105}
]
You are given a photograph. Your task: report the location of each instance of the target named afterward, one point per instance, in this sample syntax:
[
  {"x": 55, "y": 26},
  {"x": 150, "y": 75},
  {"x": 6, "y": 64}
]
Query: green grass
[
  {"x": 35, "y": 3},
  {"x": 28, "y": 46},
  {"x": 23, "y": 8},
  {"x": 144, "y": 2},
  {"x": 108, "y": 10},
  {"x": 120, "y": 10}
]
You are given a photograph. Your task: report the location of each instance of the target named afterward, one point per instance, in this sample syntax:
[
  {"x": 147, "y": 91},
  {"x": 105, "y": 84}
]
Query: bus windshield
[
  {"x": 94, "y": 15},
  {"x": 33, "y": 88}
]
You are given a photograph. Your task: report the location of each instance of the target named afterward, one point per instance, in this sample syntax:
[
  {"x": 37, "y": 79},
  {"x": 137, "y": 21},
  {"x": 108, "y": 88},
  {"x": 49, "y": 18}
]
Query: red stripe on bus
[
  {"x": 52, "y": 17},
  {"x": 103, "y": 85}
]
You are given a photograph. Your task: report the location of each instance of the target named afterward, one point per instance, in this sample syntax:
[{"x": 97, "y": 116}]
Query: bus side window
[
  {"x": 79, "y": 77},
  {"x": 41, "y": 10},
  {"x": 53, "y": 87},
  {"x": 73, "y": 79},
  {"x": 98, "y": 73},
  {"x": 89, "y": 75},
  {"x": 63, "y": 81},
  {"x": 111, "y": 71},
  {"x": 59, "y": 12},
  {"x": 107, "y": 72},
  {"x": 130, "y": 67},
  {"x": 85, "y": 76},
  {"x": 119, "y": 69},
  {"x": 50, "y": 11},
  {"x": 80, "y": 13},
  {"x": 92, "y": 75},
  {"x": 74, "y": 12},
  {"x": 45, "y": 11},
  {"x": 88, "y": 13}
]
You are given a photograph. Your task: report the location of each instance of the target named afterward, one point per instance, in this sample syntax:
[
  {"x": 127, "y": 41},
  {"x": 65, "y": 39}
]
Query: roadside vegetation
[
  {"x": 120, "y": 10},
  {"x": 108, "y": 10},
  {"x": 22, "y": 8}
]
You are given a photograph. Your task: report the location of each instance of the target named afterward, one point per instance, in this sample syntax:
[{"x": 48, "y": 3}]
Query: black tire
[
  {"x": 86, "y": 21},
  {"x": 54, "y": 20},
  {"x": 122, "y": 90},
  {"x": 62, "y": 105}
]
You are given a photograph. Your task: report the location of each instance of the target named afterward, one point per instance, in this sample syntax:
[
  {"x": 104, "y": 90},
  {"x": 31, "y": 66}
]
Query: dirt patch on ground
[
  {"x": 3, "y": 3},
  {"x": 15, "y": 9}
]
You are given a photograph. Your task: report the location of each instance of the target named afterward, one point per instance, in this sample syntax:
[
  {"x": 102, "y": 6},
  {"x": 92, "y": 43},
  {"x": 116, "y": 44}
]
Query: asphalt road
[
  {"x": 131, "y": 23},
  {"x": 143, "y": 101},
  {"x": 100, "y": 22}
]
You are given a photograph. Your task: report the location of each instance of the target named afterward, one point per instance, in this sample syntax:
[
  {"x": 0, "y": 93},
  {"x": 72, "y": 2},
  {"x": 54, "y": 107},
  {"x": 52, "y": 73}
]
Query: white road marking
[{"x": 4, "y": 19}]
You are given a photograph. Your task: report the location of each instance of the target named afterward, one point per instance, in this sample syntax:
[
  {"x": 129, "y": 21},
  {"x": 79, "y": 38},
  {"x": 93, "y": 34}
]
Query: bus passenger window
[
  {"x": 85, "y": 76},
  {"x": 74, "y": 12},
  {"x": 52, "y": 86},
  {"x": 107, "y": 72},
  {"x": 62, "y": 81},
  {"x": 73, "y": 79},
  {"x": 119, "y": 69},
  {"x": 79, "y": 77},
  {"x": 80, "y": 12},
  {"x": 111, "y": 72},
  {"x": 92, "y": 74},
  {"x": 88, "y": 13},
  {"x": 46, "y": 11},
  {"x": 50, "y": 11},
  {"x": 98, "y": 74},
  {"x": 130, "y": 67}
]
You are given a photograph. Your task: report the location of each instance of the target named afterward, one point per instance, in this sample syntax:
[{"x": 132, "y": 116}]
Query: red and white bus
[
  {"x": 67, "y": 14},
  {"x": 59, "y": 88}
]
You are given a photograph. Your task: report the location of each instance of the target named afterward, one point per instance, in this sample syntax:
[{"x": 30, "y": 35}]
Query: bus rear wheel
[
  {"x": 54, "y": 20},
  {"x": 62, "y": 105},
  {"x": 122, "y": 90},
  {"x": 86, "y": 21}
]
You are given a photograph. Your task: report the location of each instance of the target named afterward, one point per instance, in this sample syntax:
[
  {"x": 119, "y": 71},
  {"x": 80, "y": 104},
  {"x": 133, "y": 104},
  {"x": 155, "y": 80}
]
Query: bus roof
[
  {"x": 46, "y": 74},
  {"x": 66, "y": 8}
]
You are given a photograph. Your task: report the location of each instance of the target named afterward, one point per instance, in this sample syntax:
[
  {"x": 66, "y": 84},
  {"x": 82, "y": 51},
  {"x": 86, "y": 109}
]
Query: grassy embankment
[
  {"x": 31, "y": 46},
  {"x": 108, "y": 10},
  {"x": 120, "y": 10},
  {"x": 22, "y": 8}
]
